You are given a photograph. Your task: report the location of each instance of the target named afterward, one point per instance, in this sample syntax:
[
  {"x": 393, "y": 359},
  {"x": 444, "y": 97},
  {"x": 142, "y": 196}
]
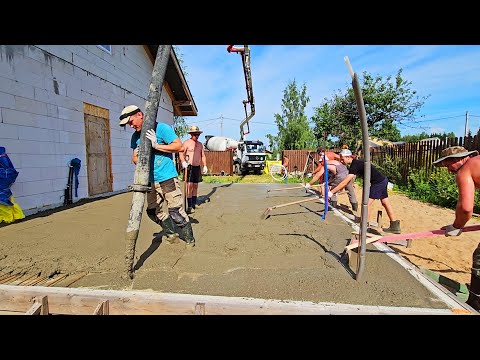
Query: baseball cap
[
  {"x": 345, "y": 152},
  {"x": 127, "y": 112}
]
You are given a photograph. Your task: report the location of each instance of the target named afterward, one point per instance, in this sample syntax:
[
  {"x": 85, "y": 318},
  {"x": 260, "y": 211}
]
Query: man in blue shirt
[{"x": 163, "y": 175}]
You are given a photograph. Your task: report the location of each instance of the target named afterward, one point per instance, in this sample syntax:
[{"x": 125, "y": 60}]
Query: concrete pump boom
[{"x": 245, "y": 53}]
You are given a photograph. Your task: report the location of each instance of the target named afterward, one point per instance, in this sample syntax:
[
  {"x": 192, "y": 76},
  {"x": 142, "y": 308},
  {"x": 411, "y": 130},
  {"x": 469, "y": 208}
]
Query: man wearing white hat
[
  {"x": 459, "y": 161},
  {"x": 196, "y": 158},
  {"x": 163, "y": 175}
]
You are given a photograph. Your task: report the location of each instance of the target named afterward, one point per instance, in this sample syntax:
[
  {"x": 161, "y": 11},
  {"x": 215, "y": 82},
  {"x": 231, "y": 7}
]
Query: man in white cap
[
  {"x": 163, "y": 175},
  {"x": 378, "y": 187},
  {"x": 336, "y": 173},
  {"x": 459, "y": 161},
  {"x": 196, "y": 158}
]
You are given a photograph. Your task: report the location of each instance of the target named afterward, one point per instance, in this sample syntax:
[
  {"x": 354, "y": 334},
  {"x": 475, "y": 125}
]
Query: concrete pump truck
[{"x": 249, "y": 155}]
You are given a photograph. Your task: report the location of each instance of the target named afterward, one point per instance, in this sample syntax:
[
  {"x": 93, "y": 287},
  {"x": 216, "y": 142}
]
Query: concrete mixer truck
[{"x": 248, "y": 155}]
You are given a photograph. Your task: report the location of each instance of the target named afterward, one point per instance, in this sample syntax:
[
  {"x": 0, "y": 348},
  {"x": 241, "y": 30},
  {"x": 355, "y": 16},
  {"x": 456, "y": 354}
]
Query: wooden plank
[
  {"x": 410, "y": 236},
  {"x": 200, "y": 309},
  {"x": 102, "y": 308},
  {"x": 84, "y": 301},
  {"x": 368, "y": 240},
  {"x": 35, "y": 309},
  {"x": 39, "y": 307},
  {"x": 70, "y": 279},
  {"x": 55, "y": 280}
]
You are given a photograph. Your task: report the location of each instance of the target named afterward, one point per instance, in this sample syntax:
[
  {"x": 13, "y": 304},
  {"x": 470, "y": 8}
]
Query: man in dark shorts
[
  {"x": 378, "y": 187},
  {"x": 196, "y": 158}
]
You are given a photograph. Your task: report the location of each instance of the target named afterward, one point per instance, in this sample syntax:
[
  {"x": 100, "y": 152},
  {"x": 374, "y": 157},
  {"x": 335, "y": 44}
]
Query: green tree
[
  {"x": 179, "y": 124},
  {"x": 388, "y": 103},
  {"x": 294, "y": 130}
]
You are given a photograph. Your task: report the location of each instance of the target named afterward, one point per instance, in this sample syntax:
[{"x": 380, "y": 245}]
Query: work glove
[
  {"x": 308, "y": 186},
  {"x": 451, "y": 230},
  {"x": 184, "y": 165},
  {"x": 309, "y": 175},
  {"x": 152, "y": 136},
  {"x": 330, "y": 194},
  {"x": 205, "y": 169}
]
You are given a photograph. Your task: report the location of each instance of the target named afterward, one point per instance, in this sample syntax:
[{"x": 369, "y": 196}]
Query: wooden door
[{"x": 97, "y": 139}]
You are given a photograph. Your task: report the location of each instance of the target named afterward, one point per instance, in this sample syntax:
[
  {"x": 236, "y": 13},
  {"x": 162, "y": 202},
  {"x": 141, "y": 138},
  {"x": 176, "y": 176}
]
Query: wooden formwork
[{"x": 38, "y": 300}]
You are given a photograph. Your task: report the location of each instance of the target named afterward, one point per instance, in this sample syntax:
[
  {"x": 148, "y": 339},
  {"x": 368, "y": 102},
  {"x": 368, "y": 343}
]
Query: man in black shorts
[{"x": 378, "y": 187}]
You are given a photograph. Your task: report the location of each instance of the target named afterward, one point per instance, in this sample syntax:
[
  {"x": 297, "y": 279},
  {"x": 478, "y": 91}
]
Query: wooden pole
[{"x": 142, "y": 170}]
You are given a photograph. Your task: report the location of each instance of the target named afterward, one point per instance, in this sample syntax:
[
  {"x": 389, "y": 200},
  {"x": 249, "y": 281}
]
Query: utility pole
[
  {"x": 221, "y": 124},
  {"x": 142, "y": 170},
  {"x": 466, "y": 124}
]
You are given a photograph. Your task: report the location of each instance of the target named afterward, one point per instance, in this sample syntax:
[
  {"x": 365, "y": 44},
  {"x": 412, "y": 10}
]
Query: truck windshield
[{"x": 255, "y": 148}]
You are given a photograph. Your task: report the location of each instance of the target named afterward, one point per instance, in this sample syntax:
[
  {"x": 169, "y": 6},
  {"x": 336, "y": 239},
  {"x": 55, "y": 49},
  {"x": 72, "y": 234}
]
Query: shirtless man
[
  {"x": 196, "y": 157},
  {"x": 458, "y": 161}
]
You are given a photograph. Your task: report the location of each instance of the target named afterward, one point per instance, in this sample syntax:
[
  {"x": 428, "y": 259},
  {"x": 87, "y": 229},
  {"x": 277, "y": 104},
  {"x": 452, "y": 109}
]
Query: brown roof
[{"x": 176, "y": 84}]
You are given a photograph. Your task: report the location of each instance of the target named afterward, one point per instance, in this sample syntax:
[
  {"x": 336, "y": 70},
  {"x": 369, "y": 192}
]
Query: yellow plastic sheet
[
  {"x": 270, "y": 163},
  {"x": 11, "y": 213}
]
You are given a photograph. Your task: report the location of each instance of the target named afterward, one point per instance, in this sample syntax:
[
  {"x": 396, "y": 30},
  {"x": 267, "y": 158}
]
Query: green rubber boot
[
  {"x": 170, "y": 235},
  {"x": 188, "y": 235},
  {"x": 394, "y": 227}
]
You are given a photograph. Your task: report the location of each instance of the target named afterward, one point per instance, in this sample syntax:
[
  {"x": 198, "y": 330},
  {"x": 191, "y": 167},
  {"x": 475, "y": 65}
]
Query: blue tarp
[{"x": 8, "y": 175}]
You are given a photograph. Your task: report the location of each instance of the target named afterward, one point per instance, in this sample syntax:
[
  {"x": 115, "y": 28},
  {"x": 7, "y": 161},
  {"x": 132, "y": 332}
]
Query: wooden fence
[
  {"x": 217, "y": 162},
  {"x": 298, "y": 158},
  {"x": 420, "y": 154}
]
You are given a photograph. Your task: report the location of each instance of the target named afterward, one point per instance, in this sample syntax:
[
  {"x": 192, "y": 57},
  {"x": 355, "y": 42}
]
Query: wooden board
[{"x": 80, "y": 301}]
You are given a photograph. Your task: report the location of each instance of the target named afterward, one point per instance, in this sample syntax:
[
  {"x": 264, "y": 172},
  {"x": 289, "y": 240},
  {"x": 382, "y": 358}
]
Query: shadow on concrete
[{"x": 48, "y": 212}]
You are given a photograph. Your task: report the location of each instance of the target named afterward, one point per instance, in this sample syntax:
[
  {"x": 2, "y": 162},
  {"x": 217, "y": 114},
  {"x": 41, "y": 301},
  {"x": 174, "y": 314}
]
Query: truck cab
[{"x": 250, "y": 157}]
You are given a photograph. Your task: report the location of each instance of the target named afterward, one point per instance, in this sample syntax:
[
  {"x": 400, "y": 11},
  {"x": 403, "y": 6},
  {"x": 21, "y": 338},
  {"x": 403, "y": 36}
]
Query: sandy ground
[
  {"x": 292, "y": 255},
  {"x": 449, "y": 256}
]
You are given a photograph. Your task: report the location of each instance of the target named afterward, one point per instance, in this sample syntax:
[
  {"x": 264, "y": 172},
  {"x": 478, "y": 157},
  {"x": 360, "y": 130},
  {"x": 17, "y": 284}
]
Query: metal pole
[
  {"x": 142, "y": 170},
  {"x": 466, "y": 125},
  {"x": 366, "y": 169}
]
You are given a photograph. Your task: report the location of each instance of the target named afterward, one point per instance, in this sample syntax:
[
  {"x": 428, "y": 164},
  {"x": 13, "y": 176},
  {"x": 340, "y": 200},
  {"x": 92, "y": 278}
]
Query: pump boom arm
[{"x": 245, "y": 53}]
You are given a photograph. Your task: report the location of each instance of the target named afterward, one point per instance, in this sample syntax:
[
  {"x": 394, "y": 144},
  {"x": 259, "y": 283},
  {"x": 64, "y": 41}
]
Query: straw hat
[
  {"x": 194, "y": 130},
  {"x": 453, "y": 152}
]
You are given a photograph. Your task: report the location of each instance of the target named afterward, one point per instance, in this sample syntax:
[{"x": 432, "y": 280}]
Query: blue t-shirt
[{"x": 162, "y": 162}]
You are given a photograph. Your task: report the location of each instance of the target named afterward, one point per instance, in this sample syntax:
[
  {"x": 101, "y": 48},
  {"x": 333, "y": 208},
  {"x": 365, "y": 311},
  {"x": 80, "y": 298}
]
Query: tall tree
[
  {"x": 179, "y": 124},
  {"x": 388, "y": 102},
  {"x": 294, "y": 130}
]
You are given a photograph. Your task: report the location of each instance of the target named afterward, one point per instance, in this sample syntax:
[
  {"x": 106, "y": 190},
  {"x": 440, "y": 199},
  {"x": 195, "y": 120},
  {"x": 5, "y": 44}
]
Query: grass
[{"x": 247, "y": 179}]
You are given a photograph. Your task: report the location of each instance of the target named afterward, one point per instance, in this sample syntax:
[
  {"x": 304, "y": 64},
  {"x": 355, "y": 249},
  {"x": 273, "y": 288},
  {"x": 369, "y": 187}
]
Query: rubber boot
[
  {"x": 333, "y": 203},
  {"x": 188, "y": 235},
  {"x": 170, "y": 235},
  {"x": 474, "y": 288},
  {"x": 354, "y": 206},
  {"x": 394, "y": 227}
]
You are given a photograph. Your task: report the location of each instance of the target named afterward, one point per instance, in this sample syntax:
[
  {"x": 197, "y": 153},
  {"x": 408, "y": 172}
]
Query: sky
[{"x": 448, "y": 74}]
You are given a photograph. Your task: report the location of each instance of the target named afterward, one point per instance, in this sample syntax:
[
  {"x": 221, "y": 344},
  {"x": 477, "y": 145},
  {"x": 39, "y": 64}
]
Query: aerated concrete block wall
[{"x": 42, "y": 93}]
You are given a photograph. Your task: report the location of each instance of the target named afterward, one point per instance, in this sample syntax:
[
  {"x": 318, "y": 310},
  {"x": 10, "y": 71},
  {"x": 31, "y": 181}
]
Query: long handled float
[{"x": 347, "y": 254}]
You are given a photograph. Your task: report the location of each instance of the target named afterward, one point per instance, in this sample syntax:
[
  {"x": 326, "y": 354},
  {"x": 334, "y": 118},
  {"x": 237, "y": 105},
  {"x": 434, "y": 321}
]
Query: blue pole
[{"x": 325, "y": 167}]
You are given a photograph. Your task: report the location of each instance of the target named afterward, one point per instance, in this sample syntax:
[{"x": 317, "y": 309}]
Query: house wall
[{"x": 42, "y": 93}]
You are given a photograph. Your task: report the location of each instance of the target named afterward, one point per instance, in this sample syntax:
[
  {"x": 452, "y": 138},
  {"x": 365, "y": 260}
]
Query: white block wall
[{"x": 42, "y": 91}]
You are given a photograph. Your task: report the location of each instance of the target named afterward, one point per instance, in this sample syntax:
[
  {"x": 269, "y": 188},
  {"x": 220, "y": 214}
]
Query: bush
[{"x": 439, "y": 188}]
